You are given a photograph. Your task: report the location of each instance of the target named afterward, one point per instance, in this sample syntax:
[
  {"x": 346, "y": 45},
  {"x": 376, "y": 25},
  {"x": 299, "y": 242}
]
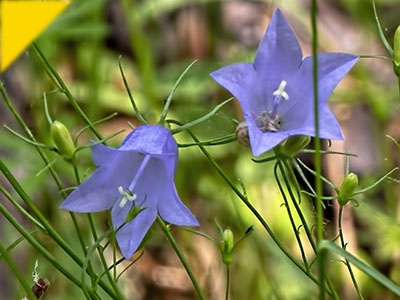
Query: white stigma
[
  {"x": 281, "y": 90},
  {"x": 127, "y": 195}
]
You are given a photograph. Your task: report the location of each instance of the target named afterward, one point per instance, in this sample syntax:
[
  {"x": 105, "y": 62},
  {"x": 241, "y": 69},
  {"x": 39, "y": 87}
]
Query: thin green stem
[
  {"x": 16, "y": 272},
  {"x": 46, "y": 110},
  {"x": 214, "y": 142},
  {"x": 171, "y": 94},
  {"x": 292, "y": 222},
  {"x": 380, "y": 31},
  {"x": 108, "y": 274},
  {"x": 353, "y": 278},
  {"x": 178, "y": 252},
  {"x": 296, "y": 205},
  {"x": 201, "y": 119},
  {"x": 139, "y": 115},
  {"x": 398, "y": 80},
  {"x": 128, "y": 266},
  {"x": 66, "y": 91},
  {"x": 317, "y": 146},
  {"x": 18, "y": 241},
  {"x": 376, "y": 56},
  {"x": 21, "y": 209},
  {"x": 26, "y": 140},
  {"x": 79, "y": 133},
  {"x": 228, "y": 282}
]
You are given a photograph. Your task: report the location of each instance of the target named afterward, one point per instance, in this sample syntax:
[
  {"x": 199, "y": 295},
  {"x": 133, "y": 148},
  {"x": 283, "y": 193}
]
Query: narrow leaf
[{"x": 367, "y": 269}]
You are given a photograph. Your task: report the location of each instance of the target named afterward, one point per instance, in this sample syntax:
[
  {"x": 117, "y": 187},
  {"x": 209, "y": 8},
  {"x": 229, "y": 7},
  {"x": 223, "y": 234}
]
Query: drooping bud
[
  {"x": 396, "y": 52},
  {"x": 294, "y": 145},
  {"x": 242, "y": 134},
  {"x": 62, "y": 139},
  {"x": 227, "y": 246},
  {"x": 347, "y": 189}
]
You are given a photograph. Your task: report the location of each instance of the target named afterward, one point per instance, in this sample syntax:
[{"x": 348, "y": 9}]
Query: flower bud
[
  {"x": 347, "y": 189},
  {"x": 62, "y": 139},
  {"x": 396, "y": 52},
  {"x": 227, "y": 246},
  {"x": 242, "y": 134},
  {"x": 294, "y": 144}
]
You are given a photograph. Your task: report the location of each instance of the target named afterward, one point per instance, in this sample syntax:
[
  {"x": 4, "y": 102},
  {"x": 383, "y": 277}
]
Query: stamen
[
  {"x": 281, "y": 90},
  {"x": 127, "y": 195}
]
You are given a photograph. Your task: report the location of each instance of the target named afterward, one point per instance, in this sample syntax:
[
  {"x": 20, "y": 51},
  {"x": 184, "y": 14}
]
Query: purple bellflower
[
  {"x": 137, "y": 182},
  {"x": 276, "y": 91}
]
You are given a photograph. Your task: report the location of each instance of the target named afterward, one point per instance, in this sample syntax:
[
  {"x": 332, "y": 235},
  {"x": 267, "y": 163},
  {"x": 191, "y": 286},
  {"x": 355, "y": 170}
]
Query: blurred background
[{"x": 157, "y": 40}]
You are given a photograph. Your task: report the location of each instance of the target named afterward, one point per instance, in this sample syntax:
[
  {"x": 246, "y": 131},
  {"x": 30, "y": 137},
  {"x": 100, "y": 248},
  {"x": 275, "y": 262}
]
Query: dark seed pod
[{"x": 40, "y": 288}]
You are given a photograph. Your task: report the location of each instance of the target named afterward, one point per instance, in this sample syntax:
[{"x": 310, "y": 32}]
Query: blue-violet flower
[
  {"x": 276, "y": 91},
  {"x": 136, "y": 181}
]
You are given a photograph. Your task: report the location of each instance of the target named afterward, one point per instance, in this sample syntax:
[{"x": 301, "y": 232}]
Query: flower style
[
  {"x": 276, "y": 91},
  {"x": 136, "y": 181}
]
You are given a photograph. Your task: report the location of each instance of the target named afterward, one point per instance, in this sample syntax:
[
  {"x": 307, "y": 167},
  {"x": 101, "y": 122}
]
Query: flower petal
[
  {"x": 100, "y": 191},
  {"x": 172, "y": 210},
  {"x": 279, "y": 53},
  {"x": 102, "y": 155},
  {"x": 298, "y": 111},
  {"x": 329, "y": 127},
  {"x": 91, "y": 195},
  {"x": 150, "y": 139},
  {"x": 237, "y": 79},
  {"x": 130, "y": 235},
  {"x": 332, "y": 67}
]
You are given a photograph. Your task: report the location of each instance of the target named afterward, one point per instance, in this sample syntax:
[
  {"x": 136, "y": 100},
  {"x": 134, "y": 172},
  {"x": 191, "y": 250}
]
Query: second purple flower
[{"x": 135, "y": 181}]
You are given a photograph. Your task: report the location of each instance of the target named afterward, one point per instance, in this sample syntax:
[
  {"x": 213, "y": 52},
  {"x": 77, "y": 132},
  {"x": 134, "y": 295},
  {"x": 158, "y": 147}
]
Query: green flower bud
[
  {"x": 62, "y": 139},
  {"x": 347, "y": 189},
  {"x": 227, "y": 246},
  {"x": 293, "y": 145},
  {"x": 396, "y": 52}
]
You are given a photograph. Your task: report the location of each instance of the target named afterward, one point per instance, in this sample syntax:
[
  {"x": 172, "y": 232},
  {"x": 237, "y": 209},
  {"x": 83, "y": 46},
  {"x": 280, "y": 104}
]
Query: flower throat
[
  {"x": 128, "y": 194},
  {"x": 270, "y": 120}
]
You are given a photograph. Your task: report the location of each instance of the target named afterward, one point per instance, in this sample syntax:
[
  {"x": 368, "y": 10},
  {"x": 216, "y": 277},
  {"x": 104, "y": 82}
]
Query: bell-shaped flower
[
  {"x": 135, "y": 181},
  {"x": 276, "y": 91}
]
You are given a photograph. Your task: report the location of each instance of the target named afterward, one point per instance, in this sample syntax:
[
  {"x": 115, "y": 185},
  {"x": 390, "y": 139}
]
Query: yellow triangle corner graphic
[{"x": 21, "y": 22}]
